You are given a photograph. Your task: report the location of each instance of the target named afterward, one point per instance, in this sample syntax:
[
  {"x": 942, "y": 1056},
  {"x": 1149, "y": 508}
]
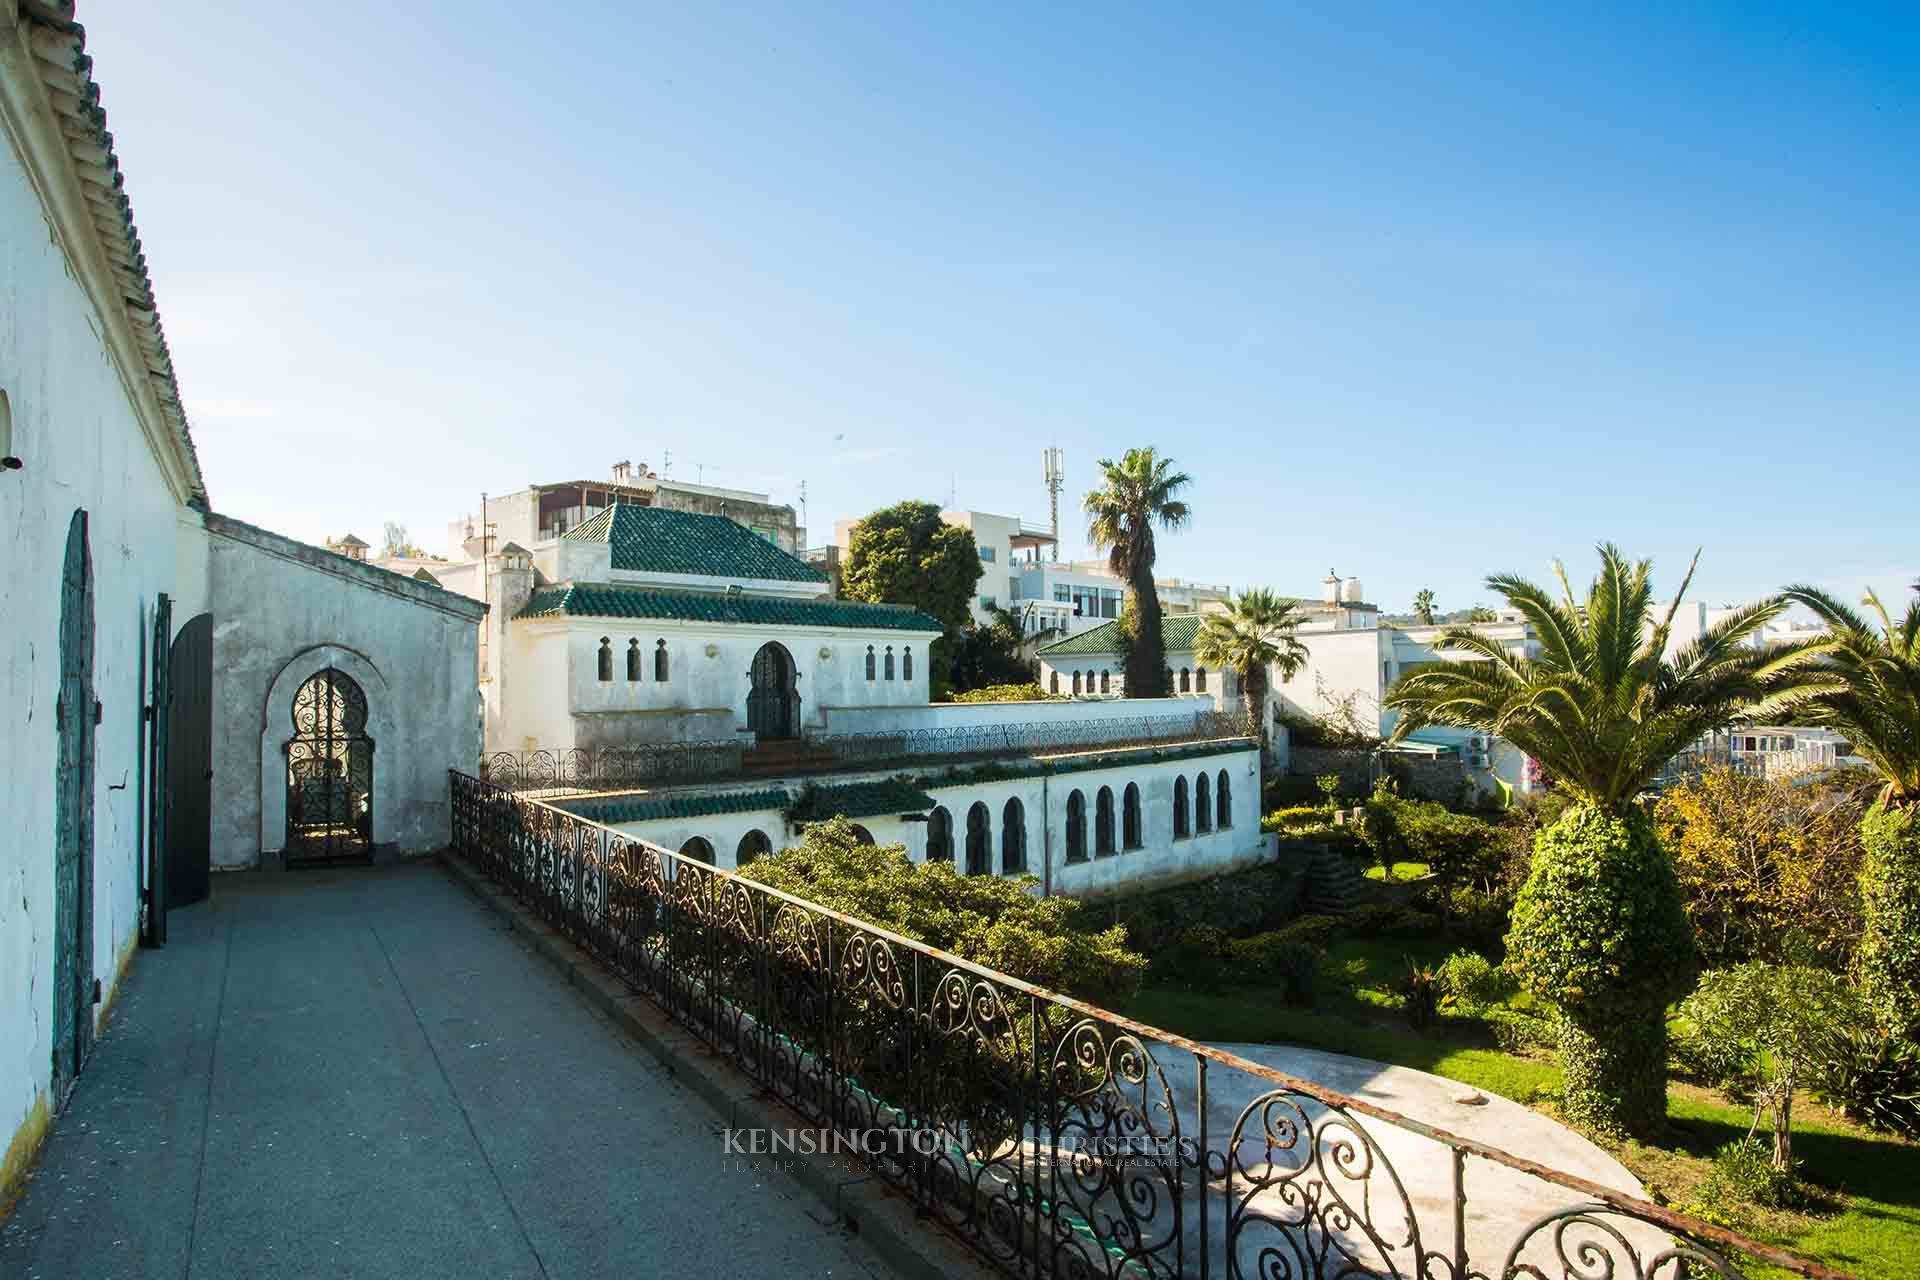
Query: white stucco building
[{"x": 183, "y": 692}]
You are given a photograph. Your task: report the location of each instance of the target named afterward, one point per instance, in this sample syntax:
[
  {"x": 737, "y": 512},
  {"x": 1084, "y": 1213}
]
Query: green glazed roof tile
[
  {"x": 656, "y": 540},
  {"x": 602, "y": 600},
  {"x": 1177, "y": 630},
  {"x": 680, "y": 806},
  {"x": 861, "y": 800}
]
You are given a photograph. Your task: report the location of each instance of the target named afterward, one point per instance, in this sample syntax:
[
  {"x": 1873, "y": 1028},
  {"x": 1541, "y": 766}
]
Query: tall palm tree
[
  {"x": 1423, "y": 606},
  {"x": 1869, "y": 691},
  {"x": 1598, "y": 928},
  {"x": 1250, "y": 637},
  {"x": 1136, "y": 493}
]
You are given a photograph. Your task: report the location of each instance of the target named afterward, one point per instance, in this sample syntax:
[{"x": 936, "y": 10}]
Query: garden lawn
[{"x": 1868, "y": 1185}]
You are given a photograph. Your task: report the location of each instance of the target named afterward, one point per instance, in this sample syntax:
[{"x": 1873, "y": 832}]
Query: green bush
[
  {"x": 1873, "y": 1077},
  {"x": 1288, "y": 790},
  {"x": 1299, "y": 815},
  {"x": 1472, "y": 982},
  {"x": 1028, "y": 692},
  {"x": 1517, "y": 1031},
  {"x": 1240, "y": 903},
  {"x": 1744, "y": 1168},
  {"x": 1274, "y": 957},
  {"x": 1314, "y": 931},
  {"x": 1199, "y": 960},
  {"x": 1477, "y": 919},
  {"x": 1384, "y": 920},
  {"x": 1889, "y": 955},
  {"x": 1328, "y": 785},
  {"x": 1599, "y": 929}
]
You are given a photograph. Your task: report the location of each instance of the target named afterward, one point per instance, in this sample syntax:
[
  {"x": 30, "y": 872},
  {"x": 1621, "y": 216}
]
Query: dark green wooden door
[
  {"x": 74, "y": 716},
  {"x": 190, "y": 763}
]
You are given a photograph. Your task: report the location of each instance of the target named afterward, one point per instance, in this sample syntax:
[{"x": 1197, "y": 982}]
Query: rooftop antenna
[
  {"x": 1056, "y": 465},
  {"x": 803, "y": 503},
  {"x": 666, "y": 463}
]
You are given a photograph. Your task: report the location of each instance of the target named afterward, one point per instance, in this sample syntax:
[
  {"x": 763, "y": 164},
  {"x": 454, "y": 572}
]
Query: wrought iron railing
[
  {"x": 1055, "y": 1137},
  {"x": 609, "y": 768}
]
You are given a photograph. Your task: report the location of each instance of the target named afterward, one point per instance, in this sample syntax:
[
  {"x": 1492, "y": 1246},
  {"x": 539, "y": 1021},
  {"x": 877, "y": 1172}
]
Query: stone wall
[{"x": 1438, "y": 778}]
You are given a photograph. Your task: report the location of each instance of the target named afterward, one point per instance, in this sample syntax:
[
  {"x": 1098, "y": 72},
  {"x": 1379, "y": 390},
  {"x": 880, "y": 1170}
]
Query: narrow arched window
[
  {"x": 1106, "y": 678},
  {"x": 1013, "y": 838},
  {"x": 1180, "y": 829},
  {"x": 1076, "y": 684},
  {"x": 1202, "y": 805},
  {"x": 869, "y": 662},
  {"x": 1103, "y": 821},
  {"x": 889, "y": 662},
  {"x": 1200, "y": 679},
  {"x": 1186, "y": 680},
  {"x": 1053, "y": 682},
  {"x": 906, "y": 662},
  {"x": 606, "y": 658},
  {"x": 660, "y": 659},
  {"x": 979, "y": 840},
  {"x": 633, "y": 659},
  {"x": 1223, "y": 802},
  {"x": 1076, "y": 827},
  {"x": 1130, "y": 816},
  {"x": 939, "y": 835}
]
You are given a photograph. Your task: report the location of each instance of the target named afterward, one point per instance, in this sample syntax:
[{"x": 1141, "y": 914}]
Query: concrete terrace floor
[{"x": 360, "y": 1073}]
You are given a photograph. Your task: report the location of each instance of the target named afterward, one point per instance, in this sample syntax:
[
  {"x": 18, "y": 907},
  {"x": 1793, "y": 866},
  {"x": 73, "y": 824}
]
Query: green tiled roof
[
  {"x": 602, "y": 600},
  {"x": 655, "y": 540},
  {"x": 1177, "y": 630},
  {"x": 681, "y": 806},
  {"x": 861, "y": 800}
]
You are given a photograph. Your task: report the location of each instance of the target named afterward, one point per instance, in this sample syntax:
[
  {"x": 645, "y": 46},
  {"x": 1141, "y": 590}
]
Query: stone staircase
[{"x": 1334, "y": 882}]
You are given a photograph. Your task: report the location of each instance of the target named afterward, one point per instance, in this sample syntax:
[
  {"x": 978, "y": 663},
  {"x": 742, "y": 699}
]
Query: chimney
[
  {"x": 623, "y": 472},
  {"x": 1330, "y": 587}
]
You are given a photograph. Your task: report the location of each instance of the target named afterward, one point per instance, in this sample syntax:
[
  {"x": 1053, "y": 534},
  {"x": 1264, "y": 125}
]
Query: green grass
[
  {"x": 1868, "y": 1222},
  {"x": 1401, "y": 871}
]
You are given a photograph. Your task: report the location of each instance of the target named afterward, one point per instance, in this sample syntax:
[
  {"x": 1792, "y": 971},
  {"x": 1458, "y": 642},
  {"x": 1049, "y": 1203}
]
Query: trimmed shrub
[
  {"x": 1472, "y": 982},
  {"x": 1382, "y": 920},
  {"x": 1299, "y": 815},
  {"x": 1599, "y": 929},
  {"x": 1873, "y": 1077},
  {"x": 1240, "y": 904},
  {"x": 1889, "y": 955},
  {"x": 1198, "y": 960},
  {"x": 1517, "y": 1031},
  {"x": 1744, "y": 1167},
  {"x": 1028, "y": 692},
  {"x": 1289, "y": 790},
  {"x": 1273, "y": 957},
  {"x": 1314, "y": 931}
]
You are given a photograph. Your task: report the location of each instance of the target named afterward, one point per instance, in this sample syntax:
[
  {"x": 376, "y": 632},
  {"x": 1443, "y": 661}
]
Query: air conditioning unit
[{"x": 1480, "y": 742}]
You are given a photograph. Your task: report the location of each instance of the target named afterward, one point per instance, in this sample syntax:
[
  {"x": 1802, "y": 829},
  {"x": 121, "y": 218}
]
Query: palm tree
[
  {"x": 1423, "y": 606},
  {"x": 1251, "y": 636},
  {"x": 1599, "y": 928},
  {"x": 1869, "y": 691},
  {"x": 1136, "y": 493}
]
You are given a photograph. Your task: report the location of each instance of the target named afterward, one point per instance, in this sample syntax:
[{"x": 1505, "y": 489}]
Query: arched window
[
  {"x": 1180, "y": 829},
  {"x": 1076, "y": 827},
  {"x": 1106, "y": 678},
  {"x": 1103, "y": 821},
  {"x": 1013, "y": 838},
  {"x": 633, "y": 660},
  {"x": 698, "y": 849},
  {"x": 889, "y": 662},
  {"x": 606, "y": 658},
  {"x": 1168, "y": 672},
  {"x": 1186, "y": 680},
  {"x": 1223, "y": 802},
  {"x": 1076, "y": 684},
  {"x": 1199, "y": 679},
  {"x": 660, "y": 659},
  {"x": 939, "y": 835},
  {"x": 869, "y": 662},
  {"x": 906, "y": 662},
  {"x": 1202, "y": 805},
  {"x": 1053, "y": 682},
  {"x": 979, "y": 840},
  {"x": 752, "y": 845},
  {"x": 861, "y": 835},
  {"x": 1130, "y": 817}
]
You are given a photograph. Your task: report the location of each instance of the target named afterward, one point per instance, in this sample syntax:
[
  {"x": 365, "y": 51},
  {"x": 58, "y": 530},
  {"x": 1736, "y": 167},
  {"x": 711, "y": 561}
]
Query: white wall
[
  {"x": 967, "y": 715},
  {"x": 284, "y": 611},
  {"x": 76, "y": 430},
  {"x": 1160, "y": 858}
]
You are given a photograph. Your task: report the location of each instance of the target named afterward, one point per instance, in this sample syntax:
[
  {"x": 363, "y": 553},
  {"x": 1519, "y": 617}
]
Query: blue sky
[{"x": 1416, "y": 291}]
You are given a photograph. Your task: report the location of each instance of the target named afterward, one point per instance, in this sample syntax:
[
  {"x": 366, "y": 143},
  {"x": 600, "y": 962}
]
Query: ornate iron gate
[
  {"x": 329, "y": 774},
  {"x": 772, "y": 704},
  {"x": 75, "y": 717}
]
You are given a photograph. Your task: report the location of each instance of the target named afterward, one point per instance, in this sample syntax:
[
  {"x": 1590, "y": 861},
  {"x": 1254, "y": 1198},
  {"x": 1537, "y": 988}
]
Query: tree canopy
[
  {"x": 1869, "y": 687},
  {"x": 1251, "y": 636},
  {"x": 1136, "y": 493},
  {"x": 906, "y": 554},
  {"x": 1603, "y": 707}
]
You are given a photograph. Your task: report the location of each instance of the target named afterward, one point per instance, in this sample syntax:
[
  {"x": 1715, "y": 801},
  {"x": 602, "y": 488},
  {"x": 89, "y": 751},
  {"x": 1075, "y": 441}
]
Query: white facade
[{"x": 1041, "y": 805}]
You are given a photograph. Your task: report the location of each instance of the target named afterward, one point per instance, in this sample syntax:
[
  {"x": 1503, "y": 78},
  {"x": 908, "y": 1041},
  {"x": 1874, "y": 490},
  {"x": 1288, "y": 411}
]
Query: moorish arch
[{"x": 278, "y": 737}]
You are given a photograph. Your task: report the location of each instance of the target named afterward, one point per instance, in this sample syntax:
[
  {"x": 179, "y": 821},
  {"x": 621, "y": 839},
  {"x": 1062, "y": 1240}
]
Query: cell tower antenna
[
  {"x": 1056, "y": 466},
  {"x": 803, "y": 504}
]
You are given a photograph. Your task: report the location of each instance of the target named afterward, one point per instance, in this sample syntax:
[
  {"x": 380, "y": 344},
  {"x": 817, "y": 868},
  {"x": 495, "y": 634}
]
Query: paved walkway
[{"x": 359, "y": 1073}]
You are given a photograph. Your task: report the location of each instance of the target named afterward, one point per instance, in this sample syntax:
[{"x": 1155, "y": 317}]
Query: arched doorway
[
  {"x": 1076, "y": 827},
  {"x": 979, "y": 840},
  {"x": 939, "y": 835},
  {"x": 1013, "y": 838},
  {"x": 773, "y": 705},
  {"x": 73, "y": 818},
  {"x": 329, "y": 773}
]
